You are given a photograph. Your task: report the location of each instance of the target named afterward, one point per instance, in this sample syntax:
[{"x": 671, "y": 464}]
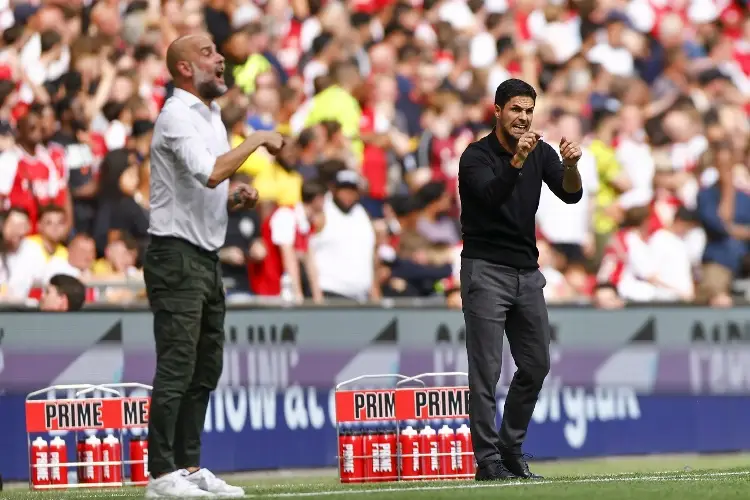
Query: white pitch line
[
  {"x": 512, "y": 483},
  {"x": 613, "y": 478}
]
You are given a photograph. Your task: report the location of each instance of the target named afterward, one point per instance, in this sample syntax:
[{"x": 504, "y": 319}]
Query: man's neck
[
  {"x": 307, "y": 157},
  {"x": 29, "y": 148},
  {"x": 67, "y": 129},
  {"x": 504, "y": 141},
  {"x": 191, "y": 90},
  {"x": 48, "y": 245}
]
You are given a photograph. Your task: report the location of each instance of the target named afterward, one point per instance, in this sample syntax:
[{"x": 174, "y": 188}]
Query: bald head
[
  {"x": 184, "y": 48},
  {"x": 196, "y": 66}
]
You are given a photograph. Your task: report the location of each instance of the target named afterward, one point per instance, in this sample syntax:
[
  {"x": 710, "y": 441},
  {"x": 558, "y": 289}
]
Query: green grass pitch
[{"x": 657, "y": 477}]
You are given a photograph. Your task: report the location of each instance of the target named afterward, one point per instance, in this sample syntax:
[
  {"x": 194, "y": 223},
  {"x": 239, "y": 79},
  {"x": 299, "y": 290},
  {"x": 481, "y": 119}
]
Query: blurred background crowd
[{"x": 378, "y": 99}]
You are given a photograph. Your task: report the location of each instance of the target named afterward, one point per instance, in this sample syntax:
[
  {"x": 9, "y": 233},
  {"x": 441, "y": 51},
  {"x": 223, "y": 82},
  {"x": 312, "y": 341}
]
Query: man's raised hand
[
  {"x": 570, "y": 152},
  {"x": 274, "y": 142},
  {"x": 525, "y": 146}
]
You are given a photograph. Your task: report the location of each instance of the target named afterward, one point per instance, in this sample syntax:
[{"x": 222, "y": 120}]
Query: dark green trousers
[{"x": 185, "y": 293}]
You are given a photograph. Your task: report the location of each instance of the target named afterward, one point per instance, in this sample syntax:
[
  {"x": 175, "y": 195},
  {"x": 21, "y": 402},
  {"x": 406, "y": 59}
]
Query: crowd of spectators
[{"x": 378, "y": 99}]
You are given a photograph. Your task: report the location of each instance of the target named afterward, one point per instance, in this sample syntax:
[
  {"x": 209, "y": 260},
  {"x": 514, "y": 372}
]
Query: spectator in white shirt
[
  {"x": 656, "y": 266},
  {"x": 670, "y": 260},
  {"x": 557, "y": 288},
  {"x": 27, "y": 269},
  {"x": 634, "y": 154},
  {"x": 14, "y": 255},
  {"x": 569, "y": 228},
  {"x": 611, "y": 52},
  {"x": 345, "y": 252},
  {"x": 688, "y": 146}
]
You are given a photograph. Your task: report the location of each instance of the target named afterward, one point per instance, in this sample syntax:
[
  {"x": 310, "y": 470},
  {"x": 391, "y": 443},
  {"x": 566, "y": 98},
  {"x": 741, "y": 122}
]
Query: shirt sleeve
[
  {"x": 283, "y": 227},
  {"x": 553, "y": 172},
  {"x": 708, "y": 213},
  {"x": 27, "y": 271},
  {"x": 191, "y": 151},
  {"x": 8, "y": 169},
  {"x": 477, "y": 178}
]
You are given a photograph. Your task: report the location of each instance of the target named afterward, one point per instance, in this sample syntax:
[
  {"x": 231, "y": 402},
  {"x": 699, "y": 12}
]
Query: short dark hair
[
  {"x": 306, "y": 137},
  {"x": 513, "y": 87},
  {"x": 61, "y": 106},
  {"x": 49, "y": 39},
  {"x": 7, "y": 87},
  {"x": 359, "y": 19},
  {"x": 50, "y": 209},
  {"x": 311, "y": 190},
  {"x": 13, "y": 34},
  {"x": 36, "y": 108},
  {"x": 143, "y": 52},
  {"x": 72, "y": 288},
  {"x": 328, "y": 169},
  {"x": 635, "y": 216},
  {"x": 331, "y": 128},
  {"x": 321, "y": 42}
]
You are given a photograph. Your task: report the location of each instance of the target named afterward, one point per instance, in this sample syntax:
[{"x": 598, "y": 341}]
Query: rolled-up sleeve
[{"x": 191, "y": 151}]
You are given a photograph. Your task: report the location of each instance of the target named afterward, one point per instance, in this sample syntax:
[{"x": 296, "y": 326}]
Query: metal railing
[{"x": 240, "y": 301}]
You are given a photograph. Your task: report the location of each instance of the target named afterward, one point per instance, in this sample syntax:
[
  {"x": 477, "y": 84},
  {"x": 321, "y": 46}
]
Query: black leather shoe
[
  {"x": 516, "y": 464},
  {"x": 493, "y": 471}
]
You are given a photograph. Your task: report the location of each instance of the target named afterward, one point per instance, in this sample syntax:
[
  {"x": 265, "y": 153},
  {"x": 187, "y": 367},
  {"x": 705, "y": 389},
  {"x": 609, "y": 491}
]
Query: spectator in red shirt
[
  {"x": 382, "y": 128},
  {"x": 84, "y": 151},
  {"x": 286, "y": 233},
  {"x": 32, "y": 176}
]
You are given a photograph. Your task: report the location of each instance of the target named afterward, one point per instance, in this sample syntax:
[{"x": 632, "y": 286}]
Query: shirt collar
[
  {"x": 192, "y": 100},
  {"x": 495, "y": 145}
]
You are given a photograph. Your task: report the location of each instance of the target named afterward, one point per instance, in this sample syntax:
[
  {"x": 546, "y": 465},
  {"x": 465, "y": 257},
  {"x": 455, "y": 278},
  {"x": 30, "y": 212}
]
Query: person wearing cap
[
  {"x": 500, "y": 181},
  {"x": 344, "y": 248},
  {"x": 191, "y": 162}
]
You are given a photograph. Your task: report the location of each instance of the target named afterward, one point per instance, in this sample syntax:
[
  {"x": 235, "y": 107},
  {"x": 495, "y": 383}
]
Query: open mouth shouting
[{"x": 219, "y": 74}]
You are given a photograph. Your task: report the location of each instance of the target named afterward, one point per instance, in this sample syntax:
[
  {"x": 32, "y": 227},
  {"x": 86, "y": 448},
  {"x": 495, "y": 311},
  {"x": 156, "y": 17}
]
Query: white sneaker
[
  {"x": 174, "y": 485},
  {"x": 205, "y": 480}
]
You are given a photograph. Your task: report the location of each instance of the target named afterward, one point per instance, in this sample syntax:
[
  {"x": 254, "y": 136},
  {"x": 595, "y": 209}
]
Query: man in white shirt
[
  {"x": 191, "y": 162},
  {"x": 345, "y": 247},
  {"x": 569, "y": 227}
]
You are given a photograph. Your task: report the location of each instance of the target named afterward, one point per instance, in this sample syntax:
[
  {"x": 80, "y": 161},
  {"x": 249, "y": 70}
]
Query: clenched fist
[
  {"x": 525, "y": 146},
  {"x": 243, "y": 196},
  {"x": 274, "y": 142},
  {"x": 570, "y": 152}
]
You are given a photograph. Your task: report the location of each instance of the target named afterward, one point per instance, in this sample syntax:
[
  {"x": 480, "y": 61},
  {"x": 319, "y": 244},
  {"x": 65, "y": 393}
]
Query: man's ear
[
  {"x": 65, "y": 304},
  {"x": 185, "y": 68},
  {"x": 498, "y": 111}
]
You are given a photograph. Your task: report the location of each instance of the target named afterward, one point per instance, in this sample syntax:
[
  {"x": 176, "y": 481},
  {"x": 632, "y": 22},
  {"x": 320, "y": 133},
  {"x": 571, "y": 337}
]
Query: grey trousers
[{"x": 495, "y": 299}]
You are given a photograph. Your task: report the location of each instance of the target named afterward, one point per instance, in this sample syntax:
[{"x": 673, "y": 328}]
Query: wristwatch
[{"x": 236, "y": 198}]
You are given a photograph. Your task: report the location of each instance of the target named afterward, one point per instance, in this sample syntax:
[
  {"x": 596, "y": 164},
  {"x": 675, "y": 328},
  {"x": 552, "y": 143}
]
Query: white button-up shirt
[{"x": 188, "y": 137}]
